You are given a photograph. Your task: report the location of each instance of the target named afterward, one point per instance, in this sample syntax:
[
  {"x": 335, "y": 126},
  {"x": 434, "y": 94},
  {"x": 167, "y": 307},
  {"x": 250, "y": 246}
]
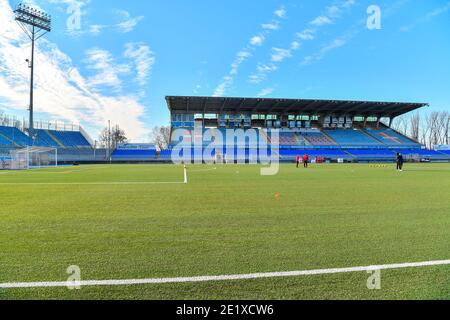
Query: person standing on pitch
[
  {"x": 297, "y": 159},
  {"x": 400, "y": 162},
  {"x": 305, "y": 161}
]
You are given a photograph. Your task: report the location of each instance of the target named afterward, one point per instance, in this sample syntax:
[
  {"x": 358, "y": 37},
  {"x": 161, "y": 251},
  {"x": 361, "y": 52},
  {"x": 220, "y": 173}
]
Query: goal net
[{"x": 33, "y": 157}]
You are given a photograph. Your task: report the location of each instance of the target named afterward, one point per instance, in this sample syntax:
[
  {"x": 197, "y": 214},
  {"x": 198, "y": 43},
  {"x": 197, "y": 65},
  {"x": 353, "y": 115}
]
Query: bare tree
[
  {"x": 112, "y": 138},
  {"x": 160, "y": 136},
  {"x": 401, "y": 124},
  {"x": 447, "y": 128},
  {"x": 433, "y": 123},
  {"x": 415, "y": 126},
  {"x": 443, "y": 124}
]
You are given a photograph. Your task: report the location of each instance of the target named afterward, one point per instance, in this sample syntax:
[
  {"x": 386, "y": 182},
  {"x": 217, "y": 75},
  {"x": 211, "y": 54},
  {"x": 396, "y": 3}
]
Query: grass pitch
[{"x": 136, "y": 222}]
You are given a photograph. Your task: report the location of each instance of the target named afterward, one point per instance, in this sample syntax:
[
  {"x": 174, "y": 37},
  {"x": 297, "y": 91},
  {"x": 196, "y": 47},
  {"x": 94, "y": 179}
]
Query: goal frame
[{"x": 33, "y": 158}]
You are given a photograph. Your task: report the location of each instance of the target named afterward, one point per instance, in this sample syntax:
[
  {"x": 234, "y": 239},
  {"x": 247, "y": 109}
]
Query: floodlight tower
[{"x": 35, "y": 24}]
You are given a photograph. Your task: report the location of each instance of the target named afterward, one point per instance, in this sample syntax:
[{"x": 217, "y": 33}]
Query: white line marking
[
  {"x": 85, "y": 183},
  {"x": 25, "y": 285}
]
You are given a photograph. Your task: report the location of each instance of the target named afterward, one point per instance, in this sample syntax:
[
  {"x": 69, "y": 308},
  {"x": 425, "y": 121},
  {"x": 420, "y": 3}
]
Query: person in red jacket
[
  {"x": 297, "y": 159},
  {"x": 305, "y": 161}
]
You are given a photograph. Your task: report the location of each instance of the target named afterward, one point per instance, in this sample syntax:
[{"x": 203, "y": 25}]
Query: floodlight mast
[{"x": 35, "y": 24}]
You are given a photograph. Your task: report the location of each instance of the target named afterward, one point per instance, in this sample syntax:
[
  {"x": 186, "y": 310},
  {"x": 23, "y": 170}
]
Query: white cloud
[
  {"x": 240, "y": 58},
  {"x": 96, "y": 29},
  {"x": 279, "y": 54},
  {"x": 333, "y": 11},
  {"x": 295, "y": 45},
  {"x": 263, "y": 70},
  {"x": 257, "y": 40},
  {"x": 256, "y": 78},
  {"x": 275, "y": 25},
  {"x": 321, "y": 21},
  {"x": 429, "y": 16},
  {"x": 197, "y": 88},
  {"x": 246, "y": 53},
  {"x": 438, "y": 11},
  {"x": 227, "y": 81},
  {"x": 126, "y": 24},
  {"x": 281, "y": 12},
  {"x": 307, "y": 34},
  {"x": 143, "y": 59},
  {"x": 61, "y": 91},
  {"x": 107, "y": 70},
  {"x": 336, "y": 43},
  {"x": 266, "y": 67},
  {"x": 129, "y": 25},
  {"x": 265, "y": 92}
]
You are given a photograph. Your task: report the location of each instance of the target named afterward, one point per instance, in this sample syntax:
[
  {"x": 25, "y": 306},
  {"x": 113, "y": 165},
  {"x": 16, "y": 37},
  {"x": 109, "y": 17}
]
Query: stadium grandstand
[
  {"x": 330, "y": 130},
  {"x": 72, "y": 142}
]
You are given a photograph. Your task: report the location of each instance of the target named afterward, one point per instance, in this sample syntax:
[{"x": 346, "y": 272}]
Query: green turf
[{"x": 124, "y": 222}]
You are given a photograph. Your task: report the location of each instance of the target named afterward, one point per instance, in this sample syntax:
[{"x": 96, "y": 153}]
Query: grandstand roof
[{"x": 207, "y": 105}]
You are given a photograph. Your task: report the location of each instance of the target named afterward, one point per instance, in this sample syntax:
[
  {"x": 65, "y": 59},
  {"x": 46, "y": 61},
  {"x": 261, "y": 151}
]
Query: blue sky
[{"x": 128, "y": 55}]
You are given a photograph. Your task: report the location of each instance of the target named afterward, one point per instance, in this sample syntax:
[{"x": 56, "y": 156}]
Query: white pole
[{"x": 56, "y": 155}]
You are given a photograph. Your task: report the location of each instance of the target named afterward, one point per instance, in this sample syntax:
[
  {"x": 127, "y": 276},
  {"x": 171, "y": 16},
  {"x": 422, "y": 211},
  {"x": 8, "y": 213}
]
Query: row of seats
[
  {"x": 13, "y": 137},
  {"x": 372, "y": 153},
  {"x": 323, "y": 153},
  {"x": 351, "y": 137},
  {"x": 315, "y": 137},
  {"x": 71, "y": 138},
  {"x": 390, "y": 137},
  {"x": 43, "y": 139},
  {"x": 318, "y": 139},
  {"x": 286, "y": 138},
  {"x": 292, "y": 139}
]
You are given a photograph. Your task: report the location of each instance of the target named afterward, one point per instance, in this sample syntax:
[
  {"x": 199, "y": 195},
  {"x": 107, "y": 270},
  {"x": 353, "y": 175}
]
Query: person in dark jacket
[{"x": 400, "y": 162}]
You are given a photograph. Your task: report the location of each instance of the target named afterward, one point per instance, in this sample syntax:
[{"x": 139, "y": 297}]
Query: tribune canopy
[{"x": 220, "y": 105}]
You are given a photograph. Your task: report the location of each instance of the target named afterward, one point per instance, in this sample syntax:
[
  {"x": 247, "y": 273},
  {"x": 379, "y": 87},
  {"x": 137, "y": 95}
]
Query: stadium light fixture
[{"x": 35, "y": 24}]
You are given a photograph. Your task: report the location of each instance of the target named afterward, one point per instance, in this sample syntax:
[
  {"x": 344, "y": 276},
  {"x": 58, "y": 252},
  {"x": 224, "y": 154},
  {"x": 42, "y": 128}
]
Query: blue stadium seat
[
  {"x": 43, "y": 139},
  {"x": 375, "y": 154},
  {"x": 11, "y": 136},
  {"x": 318, "y": 139},
  {"x": 71, "y": 139},
  {"x": 324, "y": 153},
  {"x": 391, "y": 138},
  {"x": 351, "y": 137}
]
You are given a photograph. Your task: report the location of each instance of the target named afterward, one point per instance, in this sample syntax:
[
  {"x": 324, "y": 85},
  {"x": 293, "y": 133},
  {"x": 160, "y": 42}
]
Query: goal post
[{"x": 33, "y": 157}]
